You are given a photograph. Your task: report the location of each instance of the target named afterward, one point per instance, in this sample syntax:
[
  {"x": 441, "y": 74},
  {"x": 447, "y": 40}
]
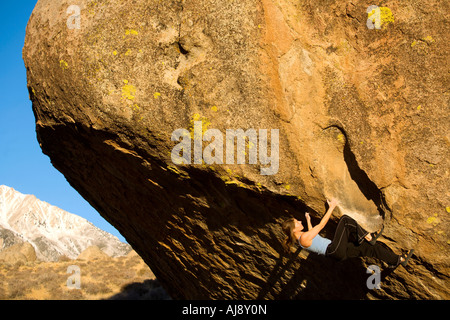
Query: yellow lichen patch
[
  {"x": 128, "y": 91},
  {"x": 238, "y": 183},
  {"x": 115, "y": 52},
  {"x": 341, "y": 137},
  {"x": 431, "y": 220},
  {"x": 232, "y": 178},
  {"x": 156, "y": 95},
  {"x": 447, "y": 209},
  {"x": 178, "y": 172},
  {"x": 63, "y": 64},
  {"x": 131, "y": 31},
  {"x": 419, "y": 107},
  {"x": 434, "y": 220},
  {"x": 128, "y": 52},
  {"x": 428, "y": 39},
  {"x": 204, "y": 120},
  {"x": 386, "y": 17},
  {"x": 287, "y": 186},
  {"x": 422, "y": 43},
  {"x": 214, "y": 108}
]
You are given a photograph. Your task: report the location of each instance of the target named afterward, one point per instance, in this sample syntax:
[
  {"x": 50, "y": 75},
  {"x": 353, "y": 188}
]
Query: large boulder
[
  {"x": 18, "y": 253},
  {"x": 92, "y": 253},
  {"x": 361, "y": 106}
]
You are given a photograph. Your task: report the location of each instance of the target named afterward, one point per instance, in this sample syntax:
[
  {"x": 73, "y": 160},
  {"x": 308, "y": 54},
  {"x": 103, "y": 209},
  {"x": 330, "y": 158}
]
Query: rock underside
[{"x": 362, "y": 116}]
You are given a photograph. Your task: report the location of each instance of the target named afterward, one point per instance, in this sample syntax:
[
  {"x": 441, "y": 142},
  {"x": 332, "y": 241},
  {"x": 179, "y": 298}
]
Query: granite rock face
[{"x": 359, "y": 98}]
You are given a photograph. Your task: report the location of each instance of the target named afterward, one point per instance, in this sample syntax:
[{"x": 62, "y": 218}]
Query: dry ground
[{"x": 111, "y": 278}]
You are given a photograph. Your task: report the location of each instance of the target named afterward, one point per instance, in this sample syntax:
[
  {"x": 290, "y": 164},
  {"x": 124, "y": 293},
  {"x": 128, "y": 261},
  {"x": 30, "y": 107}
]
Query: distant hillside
[{"x": 52, "y": 231}]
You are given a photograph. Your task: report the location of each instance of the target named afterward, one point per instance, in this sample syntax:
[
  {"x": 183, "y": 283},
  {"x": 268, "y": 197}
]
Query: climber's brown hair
[{"x": 288, "y": 227}]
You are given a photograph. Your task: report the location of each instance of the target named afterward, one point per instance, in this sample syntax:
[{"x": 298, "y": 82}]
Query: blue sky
[{"x": 23, "y": 166}]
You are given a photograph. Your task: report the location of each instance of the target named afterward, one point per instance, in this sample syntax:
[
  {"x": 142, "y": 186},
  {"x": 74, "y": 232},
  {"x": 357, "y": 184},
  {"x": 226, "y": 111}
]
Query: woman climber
[{"x": 350, "y": 239}]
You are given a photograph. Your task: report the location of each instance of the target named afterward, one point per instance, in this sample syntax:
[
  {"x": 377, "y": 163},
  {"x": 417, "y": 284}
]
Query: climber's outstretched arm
[{"x": 308, "y": 236}]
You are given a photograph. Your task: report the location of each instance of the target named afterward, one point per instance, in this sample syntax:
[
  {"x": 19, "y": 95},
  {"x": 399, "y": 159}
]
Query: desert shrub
[
  {"x": 48, "y": 277},
  {"x": 67, "y": 294},
  {"x": 3, "y": 295},
  {"x": 17, "y": 288},
  {"x": 94, "y": 288},
  {"x": 118, "y": 278},
  {"x": 144, "y": 271}
]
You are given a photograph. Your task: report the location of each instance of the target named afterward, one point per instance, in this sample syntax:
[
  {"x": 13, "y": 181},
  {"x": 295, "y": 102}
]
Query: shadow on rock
[{"x": 297, "y": 276}]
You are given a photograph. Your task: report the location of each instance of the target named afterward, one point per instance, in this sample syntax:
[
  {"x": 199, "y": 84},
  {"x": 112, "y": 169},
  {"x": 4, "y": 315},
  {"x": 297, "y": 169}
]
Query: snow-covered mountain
[{"x": 52, "y": 231}]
